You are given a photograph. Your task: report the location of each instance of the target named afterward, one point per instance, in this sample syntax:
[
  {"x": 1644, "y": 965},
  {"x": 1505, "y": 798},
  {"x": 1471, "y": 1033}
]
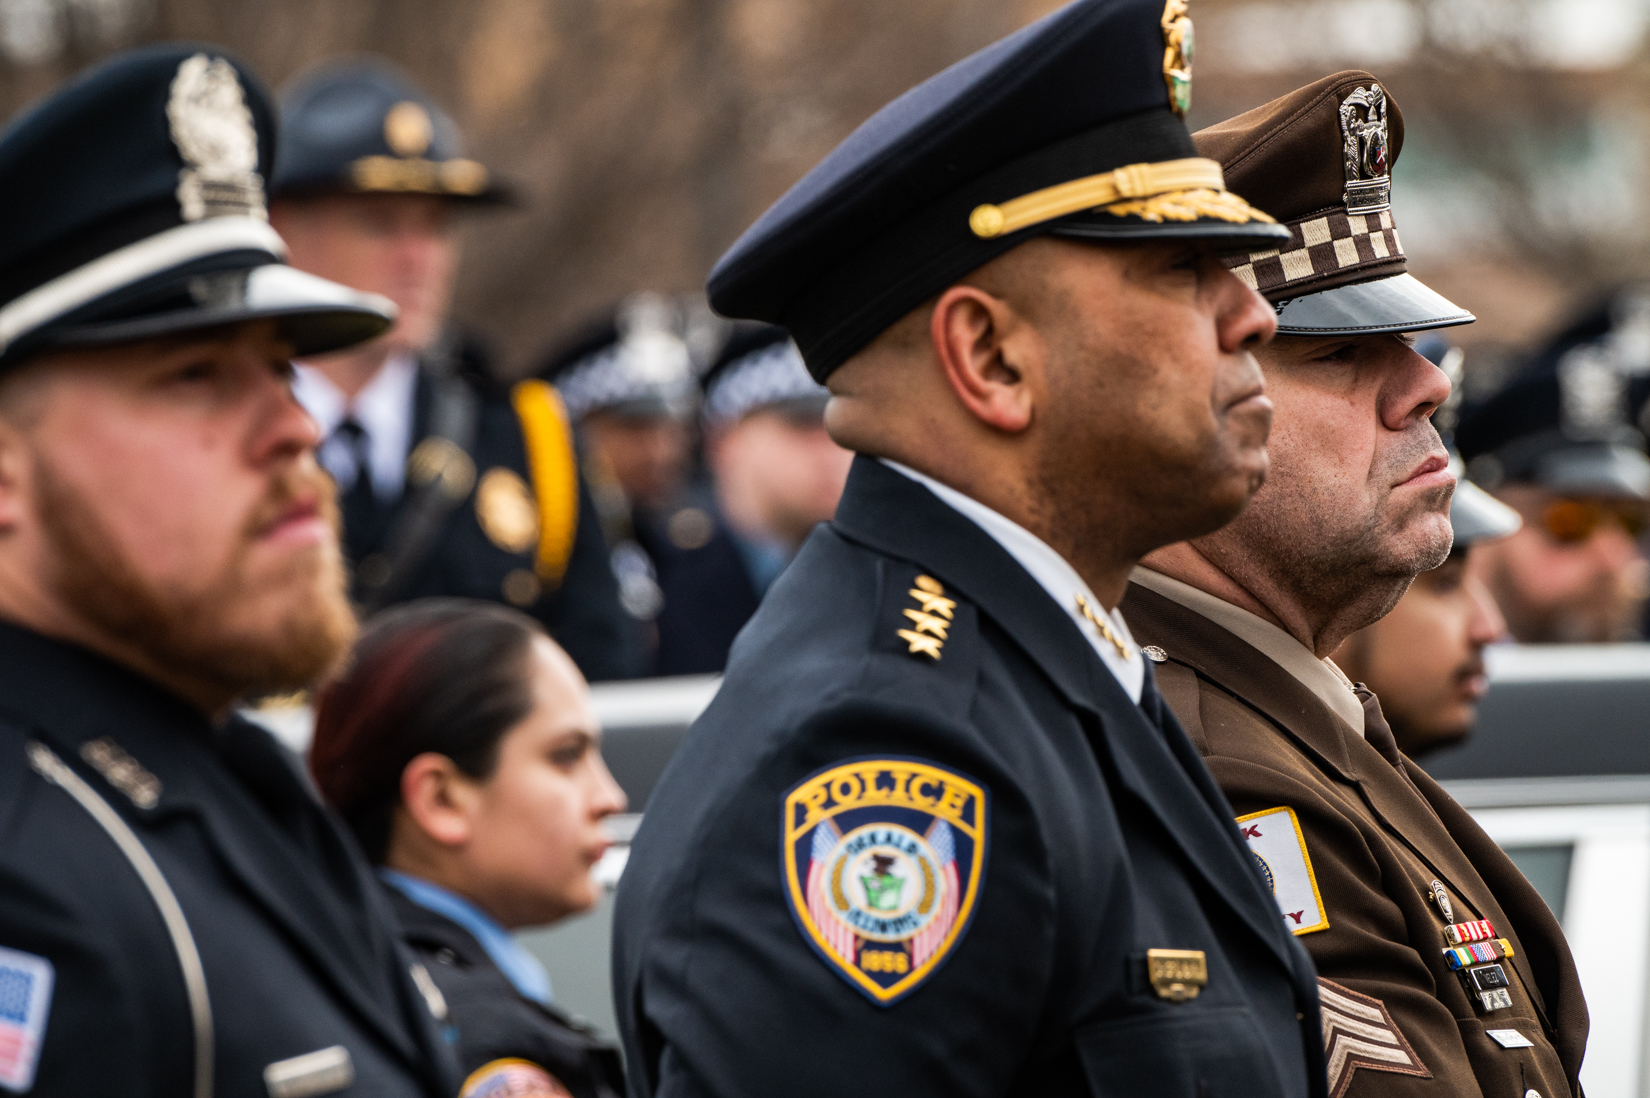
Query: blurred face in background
[
  {"x": 778, "y": 474},
  {"x": 522, "y": 841},
  {"x": 1574, "y": 574},
  {"x": 646, "y": 455},
  {"x": 1425, "y": 660},
  {"x": 400, "y": 245}
]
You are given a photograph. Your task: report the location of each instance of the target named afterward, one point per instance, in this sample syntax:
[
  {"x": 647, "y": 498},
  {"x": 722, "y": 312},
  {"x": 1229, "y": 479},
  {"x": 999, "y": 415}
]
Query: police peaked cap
[
  {"x": 1320, "y": 159},
  {"x": 1067, "y": 127},
  {"x": 632, "y": 362},
  {"x": 134, "y": 201},
  {"x": 360, "y": 125},
  {"x": 759, "y": 367}
]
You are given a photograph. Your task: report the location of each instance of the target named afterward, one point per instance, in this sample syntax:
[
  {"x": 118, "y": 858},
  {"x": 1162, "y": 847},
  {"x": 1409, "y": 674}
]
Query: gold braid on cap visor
[{"x": 1172, "y": 190}]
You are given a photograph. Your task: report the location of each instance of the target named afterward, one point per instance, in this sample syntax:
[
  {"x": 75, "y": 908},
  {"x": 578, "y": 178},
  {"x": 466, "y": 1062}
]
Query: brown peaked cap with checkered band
[
  {"x": 1288, "y": 158},
  {"x": 1320, "y": 160}
]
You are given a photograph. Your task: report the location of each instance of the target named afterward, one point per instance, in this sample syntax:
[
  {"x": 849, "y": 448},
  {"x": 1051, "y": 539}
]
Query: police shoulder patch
[
  {"x": 883, "y": 860},
  {"x": 1275, "y": 839},
  {"x": 25, "y": 1001},
  {"x": 512, "y": 1078}
]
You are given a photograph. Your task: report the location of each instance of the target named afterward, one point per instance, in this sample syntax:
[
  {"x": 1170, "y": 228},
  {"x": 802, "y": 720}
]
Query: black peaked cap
[
  {"x": 360, "y": 125},
  {"x": 889, "y": 218},
  {"x": 135, "y": 206}
]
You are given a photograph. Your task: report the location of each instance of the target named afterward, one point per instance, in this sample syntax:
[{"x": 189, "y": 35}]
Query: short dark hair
[{"x": 443, "y": 675}]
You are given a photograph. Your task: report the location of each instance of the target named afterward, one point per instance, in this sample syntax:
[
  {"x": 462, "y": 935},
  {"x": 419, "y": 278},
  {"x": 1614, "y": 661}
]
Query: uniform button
[{"x": 1532, "y": 1093}]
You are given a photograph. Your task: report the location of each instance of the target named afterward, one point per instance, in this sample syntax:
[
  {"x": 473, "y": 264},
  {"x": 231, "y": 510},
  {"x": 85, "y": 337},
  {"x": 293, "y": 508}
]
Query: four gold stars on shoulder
[{"x": 931, "y": 618}]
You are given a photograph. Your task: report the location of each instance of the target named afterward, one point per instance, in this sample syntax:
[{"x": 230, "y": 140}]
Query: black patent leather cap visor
[
  {"x": 1223, "y": 236},
  {"x": 312, "y": 314},
  {"x": 1401, "y": 303}
]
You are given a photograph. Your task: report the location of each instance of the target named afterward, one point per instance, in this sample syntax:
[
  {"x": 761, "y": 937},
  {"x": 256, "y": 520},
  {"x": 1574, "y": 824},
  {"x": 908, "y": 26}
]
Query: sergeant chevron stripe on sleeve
[{"x": 1358, "y": 1032}]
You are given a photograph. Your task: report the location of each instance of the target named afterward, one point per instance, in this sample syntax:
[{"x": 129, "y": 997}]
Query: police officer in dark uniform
[
  {"x": 451, "y": 485},
  {"x": 937, "y": 833},
  {"x": 461, "y": 750},
  {"x": 1561, "y": 444},
  {"x": 178, "y": 915},
  {"x": 714, "y": 571},
  {"x": 628, "y": 384}
]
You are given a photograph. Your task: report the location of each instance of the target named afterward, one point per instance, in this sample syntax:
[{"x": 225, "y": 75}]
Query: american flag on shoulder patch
[
  {"x": 25, "y": 1000},
  {"x": 1358, "y": 1032}
]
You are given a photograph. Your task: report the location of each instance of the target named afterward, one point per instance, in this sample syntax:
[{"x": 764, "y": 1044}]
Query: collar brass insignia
[{"x": 1177, "y": 55}]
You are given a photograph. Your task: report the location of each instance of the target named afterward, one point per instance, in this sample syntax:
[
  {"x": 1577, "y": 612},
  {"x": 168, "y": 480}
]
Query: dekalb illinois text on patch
[{"x": 883, "y": 860}]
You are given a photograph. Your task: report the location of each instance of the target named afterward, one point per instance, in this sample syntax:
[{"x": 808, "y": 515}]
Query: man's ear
[
  {"x": 990, "y": 355},
  {"x": 439, "y": 798}
]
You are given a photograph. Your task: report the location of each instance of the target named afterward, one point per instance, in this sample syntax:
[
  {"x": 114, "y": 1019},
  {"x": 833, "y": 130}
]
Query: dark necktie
[
  {"x": 1376, "y": 731},
  {"x": 362, "y": 514}
]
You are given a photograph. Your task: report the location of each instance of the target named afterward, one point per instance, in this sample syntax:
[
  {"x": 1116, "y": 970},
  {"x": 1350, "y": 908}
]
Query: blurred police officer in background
[
  {"x": 630, "y": 391},
  {"x": 1560, "y": 447},
  {"x": 450, "y": 485},
  {"x": 1425, "y": 659},
  {"x": 178, "y": 916},
  {"x": 461, "y": 749},
  {"x": 1430, "y": 945},
  {"x": 1008, "y": 279},
  {"x": 773, "y": 475}
]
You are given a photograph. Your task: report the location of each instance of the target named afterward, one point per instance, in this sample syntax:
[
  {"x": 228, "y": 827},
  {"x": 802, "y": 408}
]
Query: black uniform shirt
[
  {"x": 298, "y": 946},
  {"x": 489, "y": 1021},
  {"x": 1092, "y": 834}
]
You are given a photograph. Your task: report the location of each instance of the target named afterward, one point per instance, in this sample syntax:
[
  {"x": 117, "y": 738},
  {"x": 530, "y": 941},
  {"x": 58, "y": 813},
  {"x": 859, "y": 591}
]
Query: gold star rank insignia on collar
[
  {"x": 931, "y": 618},
  {"x": 1103, "y": 626}
]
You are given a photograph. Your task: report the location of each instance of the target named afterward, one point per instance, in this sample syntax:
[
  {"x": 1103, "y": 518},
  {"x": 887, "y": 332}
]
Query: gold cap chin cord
[{"x": 1189, "y": 188}]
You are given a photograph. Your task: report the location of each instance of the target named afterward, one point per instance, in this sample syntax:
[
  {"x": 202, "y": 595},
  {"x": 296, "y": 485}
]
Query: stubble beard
[
  {"x": 1356, "y": 568},
  {"x": 196, "y": 633}
]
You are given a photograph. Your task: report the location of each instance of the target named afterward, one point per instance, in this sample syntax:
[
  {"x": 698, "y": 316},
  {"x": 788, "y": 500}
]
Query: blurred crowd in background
[{"x": 597, "y": 158}]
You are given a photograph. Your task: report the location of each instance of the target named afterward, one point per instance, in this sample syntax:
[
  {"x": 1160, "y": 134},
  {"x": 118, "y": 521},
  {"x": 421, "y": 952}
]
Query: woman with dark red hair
[{"x": 461, "y": 749}]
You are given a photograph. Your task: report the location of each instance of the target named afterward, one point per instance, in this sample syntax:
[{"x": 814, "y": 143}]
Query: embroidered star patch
[
  {"x": 1275, "y": 839},
  {"x": 883, "y": 862},
  {"x": 25, "y": 1001},
  {"x": 1358, "y": 1032}
]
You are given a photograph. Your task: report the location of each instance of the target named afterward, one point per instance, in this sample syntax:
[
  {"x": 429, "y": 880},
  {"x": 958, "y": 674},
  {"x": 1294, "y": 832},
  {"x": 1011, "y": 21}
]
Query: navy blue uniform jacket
[
  {"x": 1106, "y": 838},
  {"x": 299, "y": 948}
]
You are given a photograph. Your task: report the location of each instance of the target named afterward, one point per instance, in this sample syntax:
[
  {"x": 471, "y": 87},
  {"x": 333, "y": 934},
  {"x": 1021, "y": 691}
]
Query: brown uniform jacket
[{"x": 1378, "y": 832}]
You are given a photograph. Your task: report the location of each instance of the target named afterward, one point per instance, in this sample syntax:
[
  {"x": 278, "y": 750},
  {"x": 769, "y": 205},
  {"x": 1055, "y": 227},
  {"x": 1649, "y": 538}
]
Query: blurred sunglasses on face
[{"x": 1570, "y": 521}]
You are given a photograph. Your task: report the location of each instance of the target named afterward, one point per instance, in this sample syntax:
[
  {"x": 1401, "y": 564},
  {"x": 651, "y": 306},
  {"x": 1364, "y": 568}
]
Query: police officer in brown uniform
[{"x": 1442, "y": 972}]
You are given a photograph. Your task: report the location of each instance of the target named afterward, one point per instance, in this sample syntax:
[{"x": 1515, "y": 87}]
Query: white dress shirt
[
  {"x": 1052, "y": 573},
  {"x": 1320, "y": 676},
  {"x": 383, "y": 408}
]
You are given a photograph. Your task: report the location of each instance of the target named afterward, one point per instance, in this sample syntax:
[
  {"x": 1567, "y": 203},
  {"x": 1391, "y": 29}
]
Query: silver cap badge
[
  {"x": 1364, "y": 145},
  {"x": 212, "y": 128}
]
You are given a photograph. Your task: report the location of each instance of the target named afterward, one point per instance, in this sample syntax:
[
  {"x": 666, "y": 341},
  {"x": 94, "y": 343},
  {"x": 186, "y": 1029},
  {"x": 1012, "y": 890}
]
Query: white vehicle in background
[{"x": 1558, "y": 773}]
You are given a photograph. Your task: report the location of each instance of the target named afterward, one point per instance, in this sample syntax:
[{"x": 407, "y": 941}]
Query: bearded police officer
[
  {"x": 450, "y": 485},
  {"x": 178, "y": 916},
  {"x": 1443, "y": 972},
  {"x": 937, "y": 834}
]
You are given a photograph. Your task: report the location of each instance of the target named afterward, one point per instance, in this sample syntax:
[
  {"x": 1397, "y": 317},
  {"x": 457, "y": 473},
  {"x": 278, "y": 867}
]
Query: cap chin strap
[
  {"x": 134, "y": 262},
  {"x": 1194, "y": 173}
]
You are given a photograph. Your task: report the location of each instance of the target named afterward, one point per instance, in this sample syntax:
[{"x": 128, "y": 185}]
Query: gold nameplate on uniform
[{"x": 1177, "y": 974}]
